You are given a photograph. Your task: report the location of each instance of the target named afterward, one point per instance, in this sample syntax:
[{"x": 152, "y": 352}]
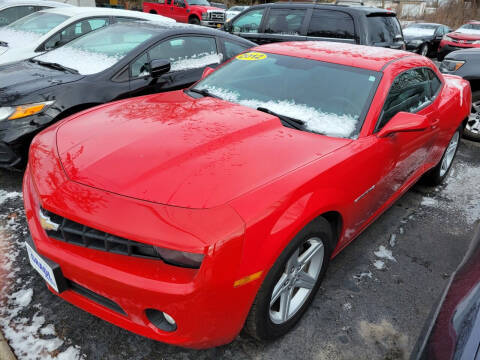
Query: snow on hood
[
  {"x": 16, "y": 38},
  {"x": 418, "y": 32},
  {"x": 85, "y": 62},
  {"x": 315, "y": 120},
  {"x": 468, "y": 31}
]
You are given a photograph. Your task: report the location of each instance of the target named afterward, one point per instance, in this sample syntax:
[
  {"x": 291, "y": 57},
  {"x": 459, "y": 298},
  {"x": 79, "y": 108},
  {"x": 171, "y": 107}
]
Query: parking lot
[{"x": 372, "y": 305}]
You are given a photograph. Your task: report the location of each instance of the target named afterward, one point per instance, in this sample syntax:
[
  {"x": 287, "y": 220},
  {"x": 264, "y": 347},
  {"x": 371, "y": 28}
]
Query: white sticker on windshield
[{"x": 371, "y": 78}]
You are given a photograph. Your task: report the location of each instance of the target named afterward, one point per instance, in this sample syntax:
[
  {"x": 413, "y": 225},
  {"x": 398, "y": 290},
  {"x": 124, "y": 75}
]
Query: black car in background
[
  {"x": 453, "y": 329},
  {"x": 111, "y": 63},
  {"x": 466, "y": 63},
  {"x": 424, "y": 38},
  {"x": 291, "y": 21}
]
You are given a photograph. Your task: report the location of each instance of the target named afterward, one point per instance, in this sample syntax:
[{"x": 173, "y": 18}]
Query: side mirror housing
[
  {"x": 207, "y": 71},
  {"x": 404, "y": 122},
  {"x": 158, "y": 67}
]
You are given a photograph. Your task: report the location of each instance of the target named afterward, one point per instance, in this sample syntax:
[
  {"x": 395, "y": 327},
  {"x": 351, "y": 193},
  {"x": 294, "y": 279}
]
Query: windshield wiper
[
  {"x": 203, "y": 92},
  {"x": 289, "y": 120},
  {"x": 3, "y": 43},
  {"x": 56, "y": 66}
]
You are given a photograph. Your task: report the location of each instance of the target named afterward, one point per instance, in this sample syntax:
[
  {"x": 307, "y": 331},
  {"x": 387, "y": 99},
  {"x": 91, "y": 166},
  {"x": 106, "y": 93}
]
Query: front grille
[
  {"x": 89, "y": 294},
  {"x": 463, "y": 41},
  {"x": 220, "y": 16},
  {"x": 74, "y": 233}
]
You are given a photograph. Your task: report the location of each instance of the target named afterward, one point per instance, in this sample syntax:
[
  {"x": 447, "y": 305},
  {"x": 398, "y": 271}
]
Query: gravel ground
[{"x": 372, "y": 305}]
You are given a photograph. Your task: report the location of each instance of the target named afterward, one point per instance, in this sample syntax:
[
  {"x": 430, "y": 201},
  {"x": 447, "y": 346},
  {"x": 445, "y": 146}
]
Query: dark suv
[{"x": 294, "y": 21}]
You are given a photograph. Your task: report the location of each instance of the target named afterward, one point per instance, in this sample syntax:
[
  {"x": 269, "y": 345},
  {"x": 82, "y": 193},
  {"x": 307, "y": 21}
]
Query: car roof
[
  {"x": 366, "y": 10},
  {"x": 361, "y": 56},
  {"x": 10, "y": 3},
  {"x": 76, "y": 11}
]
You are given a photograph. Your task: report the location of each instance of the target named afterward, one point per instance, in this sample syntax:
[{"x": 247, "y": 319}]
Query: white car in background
[
  {"x": 234, "y": 11},
  {"x": 46, "y": 30},
  {"x": 12, "y": 10}
]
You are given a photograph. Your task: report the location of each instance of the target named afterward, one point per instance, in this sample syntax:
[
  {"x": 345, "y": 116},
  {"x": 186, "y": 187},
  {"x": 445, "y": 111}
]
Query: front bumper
[
  {"x": 447, "y": 47},
  {"x": 213, "y": 24},
  {"x": 207, "y": 309}
]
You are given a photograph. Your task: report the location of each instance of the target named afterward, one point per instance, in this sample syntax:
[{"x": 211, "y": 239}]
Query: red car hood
[
  {"x": 172, "y": 149},
  {"x": 463, "y": 36},
  {"x": 208, "y": 7}
]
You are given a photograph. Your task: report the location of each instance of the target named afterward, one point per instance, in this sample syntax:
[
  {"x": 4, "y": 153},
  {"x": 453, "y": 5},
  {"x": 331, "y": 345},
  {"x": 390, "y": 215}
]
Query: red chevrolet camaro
[{"x": 188, "y": 215}]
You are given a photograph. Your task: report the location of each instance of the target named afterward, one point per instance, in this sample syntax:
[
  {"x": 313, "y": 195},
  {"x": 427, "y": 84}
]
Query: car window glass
[
  {"x": 285, "y": 21},
  {"x": 38, "y": 23},
  {"x": 11, "y": 14},
  {"x": 140, "y": 66},
  {"x": 383, "y": 29},
  {"x": 435, "y": 82},
  {"x": 410, "y": 92},
  {"x": 248, "y": 22},
  {"x": 126, "y": 19},
  {"x": 74, "y": 31},
  {"x": 331, "y": 24},
  {"x": 233, "y": 48},
  {"x": 187, "y": 52}
]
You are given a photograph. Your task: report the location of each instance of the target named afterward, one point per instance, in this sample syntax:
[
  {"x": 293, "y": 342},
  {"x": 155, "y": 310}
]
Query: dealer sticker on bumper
[{"x": 42, "y": 267}]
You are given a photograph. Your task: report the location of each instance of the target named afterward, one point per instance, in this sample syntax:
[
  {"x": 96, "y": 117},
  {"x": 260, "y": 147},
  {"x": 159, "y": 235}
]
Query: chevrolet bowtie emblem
[{"x": 46, "y": 223}]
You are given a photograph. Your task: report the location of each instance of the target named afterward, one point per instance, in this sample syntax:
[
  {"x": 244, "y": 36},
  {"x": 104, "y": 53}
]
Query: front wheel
[
  {"x": 472, "y": 128},
  {"x": 291, "y": 284},
  {"x": 194, "y": 20},
  {"x": 436, "y": 175},
  {"x": 424, "y": 50}
]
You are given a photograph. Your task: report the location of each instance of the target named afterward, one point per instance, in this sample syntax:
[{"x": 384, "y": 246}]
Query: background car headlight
[
  {"x": 451, "y": 65},
  {"x": 180, "y": 258},
  {"x": 21, "y": 111},
  {"x": 447, "y": 38}
]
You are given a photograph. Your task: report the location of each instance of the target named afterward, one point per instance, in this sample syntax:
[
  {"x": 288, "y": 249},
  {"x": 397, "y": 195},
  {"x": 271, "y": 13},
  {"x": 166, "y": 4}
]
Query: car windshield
[
  {"x": 469, "y": 29},
  {"x": 383, "y": 29},
  {"x": 199, "y": 2},
  {"x": 38, "y": 23},
  {"x": 330, "y": 99},
  {"x": 420, "y": 30},
  {"x": 98, "y": 50}
]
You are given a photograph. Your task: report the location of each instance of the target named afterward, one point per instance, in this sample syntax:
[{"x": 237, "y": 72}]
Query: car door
[
  {"x": 179, "y": 11},
  {"x": 188, "y": 54},
  {"x": 411, "y": 91},
  {"x": 437, "y": 37},
  {"x": 248, "y": 24},
  {"x": 331, "y": 25},
  {"x": 284, "y": 24}
]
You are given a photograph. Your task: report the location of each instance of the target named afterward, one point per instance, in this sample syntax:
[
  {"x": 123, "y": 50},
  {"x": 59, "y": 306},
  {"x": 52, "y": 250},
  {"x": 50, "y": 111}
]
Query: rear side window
[
  {"x": 410, "y": 92},
  {"x": 248, "y": 22},
  {"x": 331, "y": 24},
  {"x": 383, "y": 29},
  {"x": 435, "y": 82},
  {"x": 14, "y": 13},
  {"x": 233, "y": 48},
  {"x": 285, "y": 21}
]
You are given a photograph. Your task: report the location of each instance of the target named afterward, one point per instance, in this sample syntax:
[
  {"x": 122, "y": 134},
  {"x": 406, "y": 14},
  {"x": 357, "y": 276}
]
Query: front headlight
[
  {"x": 451, "y": 65},
  {"x": 476, "y": 42},
  {"x": 21, "y": 111},
  {"x": 205, "y": 16},
  {"x": 180, "y": 258},
  {"x": 447, "y": 38}
]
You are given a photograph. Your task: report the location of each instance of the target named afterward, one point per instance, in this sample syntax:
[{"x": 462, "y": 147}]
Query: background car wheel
[
  {"x": 424, "y": 50},
  {"x": 436, "y": 175},
  {"x": 472, "y": 129},
  {"x": 194, "y": 21},
  {"x": 292, "y": 283}
]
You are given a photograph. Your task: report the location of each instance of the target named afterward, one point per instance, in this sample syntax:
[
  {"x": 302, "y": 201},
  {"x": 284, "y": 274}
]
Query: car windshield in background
[
  {"x": 330, "y": 99},
  {"x": 473, "y": 29},
  {"x": 199, "y": 2},
  {"x": 383, "y": 29},
  {"x": 98, "y": 50},
  {"x": 420, "y": 30},
  {"x": 38, "y": 23}
]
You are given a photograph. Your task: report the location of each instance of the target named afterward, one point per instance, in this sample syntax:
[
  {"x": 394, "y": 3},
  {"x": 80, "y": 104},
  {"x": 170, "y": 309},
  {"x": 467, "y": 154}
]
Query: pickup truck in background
[{"x": 197, "y": 12}]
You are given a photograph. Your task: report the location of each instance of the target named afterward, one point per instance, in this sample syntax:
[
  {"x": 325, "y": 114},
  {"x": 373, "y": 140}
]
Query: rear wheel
[
  {"x": 472, "y": 128},
  {"x": 292, "y": 283},
  {"x": 440, "y": 172},
  {"x": 194, "y": 20}
]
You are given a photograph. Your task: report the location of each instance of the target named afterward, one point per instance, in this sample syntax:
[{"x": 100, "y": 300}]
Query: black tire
[
  {"x": 435, "y": 176},
  {"x": 424, "y": 50},
  {"x": 468, "y": 132},
  {"x": 194, "y": 20},
  {"x": 258, "y": 323}
]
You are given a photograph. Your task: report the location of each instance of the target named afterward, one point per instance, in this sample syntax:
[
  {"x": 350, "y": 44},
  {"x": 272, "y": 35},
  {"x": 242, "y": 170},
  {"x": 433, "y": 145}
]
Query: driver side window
[
  {"x": 410, "y": 92},
  {"x": 249, "y": 22}
]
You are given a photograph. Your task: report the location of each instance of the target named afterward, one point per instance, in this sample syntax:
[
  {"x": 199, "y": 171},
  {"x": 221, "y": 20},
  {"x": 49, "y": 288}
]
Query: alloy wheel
[
  {"x": 449, "y": 154},
  {"x": 473, "y": 123},
  {"x": 297, "y": 280}
]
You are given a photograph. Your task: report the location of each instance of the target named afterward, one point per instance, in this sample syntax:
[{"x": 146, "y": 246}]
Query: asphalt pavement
[{"x": 372, "y": 305}]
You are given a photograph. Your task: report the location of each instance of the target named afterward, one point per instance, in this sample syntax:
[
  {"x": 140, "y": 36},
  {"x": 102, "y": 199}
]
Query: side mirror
[
  {"x": 227, "y": 26},
  {"x": 159, "y": 67},
  {"x": 404, "y": 122},
  {"x": 207, "y": 71}
]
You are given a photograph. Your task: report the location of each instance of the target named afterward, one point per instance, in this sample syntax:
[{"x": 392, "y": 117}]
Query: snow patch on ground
[
  {"x": 426, "y": 201},
  {"x": 379, "y": 264},
  {"x": 24, "y": 333},
  {"x": 393, "y": 240},
  {"x": 384, "y": 253},
  {"x": 315, "y": 120},
  {"x": 347, "y": 306},
  {"x": 362, "y": 275}
]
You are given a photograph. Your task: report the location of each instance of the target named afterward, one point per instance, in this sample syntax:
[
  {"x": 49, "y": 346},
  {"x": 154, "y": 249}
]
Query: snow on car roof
[
  {"x": 8, "y": 3},
  {"x": 366, "y": 57},
  {"x": 75, "y": 11}
]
